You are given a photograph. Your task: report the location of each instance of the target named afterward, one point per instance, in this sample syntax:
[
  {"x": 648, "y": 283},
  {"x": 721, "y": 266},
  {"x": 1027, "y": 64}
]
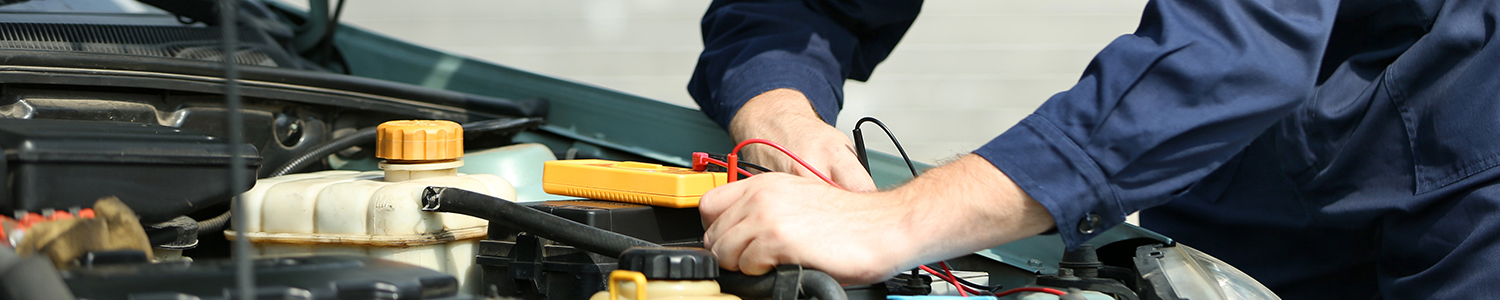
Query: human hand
[
  {"x": 776, "y": 218},
  {"x": 772, "y": 219},
  {"x": 786, "y": 117}
]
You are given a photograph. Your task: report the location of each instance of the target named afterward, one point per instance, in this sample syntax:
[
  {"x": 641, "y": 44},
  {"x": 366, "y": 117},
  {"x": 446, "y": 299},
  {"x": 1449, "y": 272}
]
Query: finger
[
  {"x": 761, "y": 255},
  {"x": 729, "y": 246},
  {"x": 714, "y": 202},
  {"x": 726, "y": 217}
]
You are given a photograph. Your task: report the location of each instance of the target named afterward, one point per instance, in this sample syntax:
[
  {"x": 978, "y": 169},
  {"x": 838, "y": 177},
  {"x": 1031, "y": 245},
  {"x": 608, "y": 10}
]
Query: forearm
[{"x": 967, "y": 206}]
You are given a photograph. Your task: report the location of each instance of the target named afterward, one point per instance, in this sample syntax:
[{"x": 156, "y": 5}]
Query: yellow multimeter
[{"x": 633, "y": 182}]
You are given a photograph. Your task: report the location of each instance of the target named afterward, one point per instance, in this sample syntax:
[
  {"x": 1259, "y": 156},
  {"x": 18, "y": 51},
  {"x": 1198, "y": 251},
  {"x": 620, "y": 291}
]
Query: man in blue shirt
[{"x": 1330, "y": 149}]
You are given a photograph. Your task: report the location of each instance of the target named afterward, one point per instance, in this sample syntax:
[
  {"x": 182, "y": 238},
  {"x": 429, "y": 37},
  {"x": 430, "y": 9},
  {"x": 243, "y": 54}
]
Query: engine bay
[{"x": 101, "y": 104}]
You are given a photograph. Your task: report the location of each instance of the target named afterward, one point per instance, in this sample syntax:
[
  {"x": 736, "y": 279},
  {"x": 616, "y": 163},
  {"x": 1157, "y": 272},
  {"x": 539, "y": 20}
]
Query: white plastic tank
[
  {"x": 378, "y": 213},
  {"x": 521, "y": 164}
]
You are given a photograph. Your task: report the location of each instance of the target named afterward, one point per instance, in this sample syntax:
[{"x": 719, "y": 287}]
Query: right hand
[
  {"x": 755, "y": 224},
  {"x": 786, "y": 117}
]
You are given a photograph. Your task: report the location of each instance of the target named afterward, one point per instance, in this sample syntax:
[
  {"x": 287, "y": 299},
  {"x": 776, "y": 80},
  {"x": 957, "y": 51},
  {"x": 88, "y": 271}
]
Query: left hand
[
  {"x": 785, "y": 116},
  {"x": 778, "y": 218}
]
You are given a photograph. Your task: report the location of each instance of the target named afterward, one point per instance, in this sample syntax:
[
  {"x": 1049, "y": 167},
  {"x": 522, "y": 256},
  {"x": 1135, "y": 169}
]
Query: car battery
[{"x": 516, "y": 264}]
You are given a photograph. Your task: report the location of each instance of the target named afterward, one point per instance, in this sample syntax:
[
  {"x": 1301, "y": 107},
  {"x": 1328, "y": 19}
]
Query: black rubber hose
[
  {"x": 811, "y": 283},
  {"x": 818, "y": 285},
  {"x": 545, "y": 225}
]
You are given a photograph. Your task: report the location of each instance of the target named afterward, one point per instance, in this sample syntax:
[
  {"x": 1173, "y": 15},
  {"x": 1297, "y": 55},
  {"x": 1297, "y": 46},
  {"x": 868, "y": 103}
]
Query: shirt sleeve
[
  {"x": 1157, "y": 110},
  {"x": 751, "y": 47}
]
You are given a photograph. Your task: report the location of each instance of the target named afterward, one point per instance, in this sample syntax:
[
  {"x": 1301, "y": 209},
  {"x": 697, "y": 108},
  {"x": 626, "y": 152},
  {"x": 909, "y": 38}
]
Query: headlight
[{"x": 1181, "y": 272}]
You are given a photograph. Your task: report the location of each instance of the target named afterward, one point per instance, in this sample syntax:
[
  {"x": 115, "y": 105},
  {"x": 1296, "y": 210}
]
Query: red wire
[
  {"x": 734, "y": 159},
  {"x": 1032, "y": 289},
  {"x": 950, "y": 280},
  {"x": 949, "y": 272},
  {"x": 946, "y": 271},
  {"x": 726, "y": 166}
]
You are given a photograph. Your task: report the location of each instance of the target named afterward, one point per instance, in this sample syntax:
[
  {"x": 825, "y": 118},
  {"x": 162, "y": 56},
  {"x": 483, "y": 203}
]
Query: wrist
[
  {"x": 773, "y": 110},
  {"x": 967, "y": 206}
]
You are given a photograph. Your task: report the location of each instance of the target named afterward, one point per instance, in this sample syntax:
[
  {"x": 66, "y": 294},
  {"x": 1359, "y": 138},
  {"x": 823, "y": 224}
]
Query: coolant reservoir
[{"x": 378, "y": 213}]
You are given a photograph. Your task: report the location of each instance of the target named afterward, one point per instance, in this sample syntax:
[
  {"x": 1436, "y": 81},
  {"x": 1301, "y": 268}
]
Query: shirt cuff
[
  {"x": 751, "y": 81},
  {"x": 1050, "y": 167}
]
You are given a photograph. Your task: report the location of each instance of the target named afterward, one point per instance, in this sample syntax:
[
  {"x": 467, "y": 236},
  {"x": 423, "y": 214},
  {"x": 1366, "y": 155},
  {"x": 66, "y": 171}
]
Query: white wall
[{"x": 966, "y": 71}]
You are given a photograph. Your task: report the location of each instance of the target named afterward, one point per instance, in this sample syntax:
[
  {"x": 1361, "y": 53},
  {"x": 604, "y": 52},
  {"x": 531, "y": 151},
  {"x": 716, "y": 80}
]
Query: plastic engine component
[
  {"x": 662, "y": 225},
  {"x": 633, "y": 182},
  {"x": 346, "y": 212},
  {"x": 672, "y": 263},
  {"x": 378, "y": 213},
  {"x": 160, "y": 172},
  {"x": 516, "y": 264},
  {"x": 317, "y": 277},
  {"x": 678, "y": 273}
]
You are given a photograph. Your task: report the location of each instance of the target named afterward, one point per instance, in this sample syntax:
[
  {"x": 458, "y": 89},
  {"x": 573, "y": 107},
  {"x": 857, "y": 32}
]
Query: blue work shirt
[{"x": 1329, "y": 149}]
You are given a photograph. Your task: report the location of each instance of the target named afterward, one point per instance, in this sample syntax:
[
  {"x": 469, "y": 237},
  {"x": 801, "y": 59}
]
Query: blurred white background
[{"x": 964, "y": 73}]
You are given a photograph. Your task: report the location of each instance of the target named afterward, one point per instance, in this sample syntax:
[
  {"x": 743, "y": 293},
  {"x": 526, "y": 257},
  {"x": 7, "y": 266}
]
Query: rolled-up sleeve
[
  {"x": 751, "y": 47},
  {"x": 1157, "y": 110}
]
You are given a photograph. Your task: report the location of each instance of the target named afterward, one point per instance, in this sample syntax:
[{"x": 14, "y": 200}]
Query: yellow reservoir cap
[
  {"x": 633, "y": 182},
  {"x": 419, "y": 140}
]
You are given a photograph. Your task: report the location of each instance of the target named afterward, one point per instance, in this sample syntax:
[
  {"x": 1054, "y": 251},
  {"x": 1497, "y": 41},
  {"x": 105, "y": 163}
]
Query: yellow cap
[{"x": 418, "y": 140}]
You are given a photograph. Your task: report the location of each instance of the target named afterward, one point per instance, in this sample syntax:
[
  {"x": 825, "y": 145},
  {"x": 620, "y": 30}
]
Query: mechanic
[{"x": 1329, "y": 149}]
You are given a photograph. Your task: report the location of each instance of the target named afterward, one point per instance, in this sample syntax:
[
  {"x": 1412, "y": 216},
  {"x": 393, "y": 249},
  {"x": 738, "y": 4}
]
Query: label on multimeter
[{"x": 632, "y": 182}]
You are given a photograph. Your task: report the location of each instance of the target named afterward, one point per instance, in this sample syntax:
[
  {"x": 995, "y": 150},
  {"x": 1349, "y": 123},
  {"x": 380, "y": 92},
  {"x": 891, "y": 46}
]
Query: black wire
[
  {"x": 864, "y": 159},
  {"x": 980, "y": 287},
  {"x": 864, "y": 155}
]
